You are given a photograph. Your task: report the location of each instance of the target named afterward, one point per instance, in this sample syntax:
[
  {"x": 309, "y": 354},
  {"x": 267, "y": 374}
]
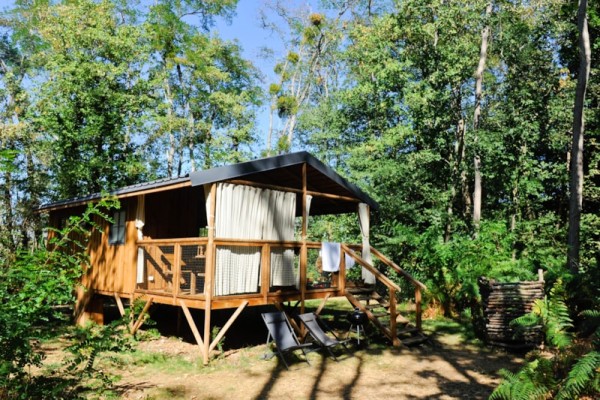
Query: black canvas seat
[
  {"x": 281, "y": 332},
  {"x": 313, "y": 323}
]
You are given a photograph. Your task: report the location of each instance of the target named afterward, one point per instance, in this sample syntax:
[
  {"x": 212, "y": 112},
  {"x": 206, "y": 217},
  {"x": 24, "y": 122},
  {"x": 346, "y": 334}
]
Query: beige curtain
[
  {"x": 246, "y": 212},
  {"x": 140, "y": 217},
  {"x": 363, "y": 216}
]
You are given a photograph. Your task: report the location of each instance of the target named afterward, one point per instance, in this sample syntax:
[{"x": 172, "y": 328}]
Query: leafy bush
[
  {"x": 568, "y": 369},
  {"x": 35, "y": 288}
]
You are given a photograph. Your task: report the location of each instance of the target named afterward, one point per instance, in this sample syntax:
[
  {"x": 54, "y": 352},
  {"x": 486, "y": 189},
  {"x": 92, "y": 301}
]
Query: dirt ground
[{"x": 442, "y": 369}]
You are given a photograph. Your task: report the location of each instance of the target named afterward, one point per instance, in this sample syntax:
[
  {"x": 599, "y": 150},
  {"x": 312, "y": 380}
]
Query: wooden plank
[
  {"x": 393, "y": 315},
  {"x": 384, "y": 279},
  {"x": 265, "y": 263},
  {"x": 322, "y": 305},
  {"x": 119, "y": 304},
  {"x": 176, "y": 269},
  {"x": 293, "y": 190},
  {"x": 140, "y": 319},
  {"x": 293, "y": 323},
  {"x": 193, "y": 327},
  {"x": 395, "y": 267},
  {"x": 418, "y": 310},
  {"x": 209, "y": 271},
  {"x": 227, "y": 326},
  {"x": 304, "y": 249}
]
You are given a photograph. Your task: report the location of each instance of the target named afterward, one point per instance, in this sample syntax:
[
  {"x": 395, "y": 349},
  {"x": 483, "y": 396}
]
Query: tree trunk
[
  {"x": 576, "y": 180},
  {"x": 485, "y": 34}
]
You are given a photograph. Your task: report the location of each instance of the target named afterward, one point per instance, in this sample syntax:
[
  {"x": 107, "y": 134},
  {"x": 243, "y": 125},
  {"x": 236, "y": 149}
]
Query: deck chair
[
  {"x": 313, "y": 323},
  {"x": 282, "y": 333}
]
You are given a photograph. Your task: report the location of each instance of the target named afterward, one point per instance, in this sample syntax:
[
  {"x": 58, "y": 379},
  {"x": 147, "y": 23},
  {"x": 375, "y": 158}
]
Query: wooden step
[
  {"x": 374, "y": 306},
  {"x": 360, "y": 290},
  {"x": 408, "y": 330},
  {"x": 418, "y": 339},
  {"x": 380, "y": 315}
]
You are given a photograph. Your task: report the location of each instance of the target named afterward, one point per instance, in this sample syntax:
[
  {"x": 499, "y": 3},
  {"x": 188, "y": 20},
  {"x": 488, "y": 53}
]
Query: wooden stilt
[
  {"x": 210, "y": 272},
  {"x": 418, "y": 310},
  {"x": 140, "y": 320},
  {"x": 227, "y": 326},
  {"x": 119, "y": 304},
  {"x": 304, "y": 249},
  {"x": 178, "y": 328},
  {"x": 322, "y": 305},
  {"x": 193, "y": 327},
  {"x": 298, "y": 330}
]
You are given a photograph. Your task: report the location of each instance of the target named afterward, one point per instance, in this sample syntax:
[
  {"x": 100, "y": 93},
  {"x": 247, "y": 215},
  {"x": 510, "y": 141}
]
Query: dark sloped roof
[
  {"x": 283, "y": 170},
  {"x": 121, "y": 192}
]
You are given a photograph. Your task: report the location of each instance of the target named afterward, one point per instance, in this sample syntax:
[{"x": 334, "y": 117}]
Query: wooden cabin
[{"x": 233, "y": 237}]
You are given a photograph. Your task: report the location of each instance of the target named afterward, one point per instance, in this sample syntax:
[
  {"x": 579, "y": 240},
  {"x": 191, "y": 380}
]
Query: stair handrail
[
  {"x": 384, "y": 279},
  {"x": 396, "y": 268}
]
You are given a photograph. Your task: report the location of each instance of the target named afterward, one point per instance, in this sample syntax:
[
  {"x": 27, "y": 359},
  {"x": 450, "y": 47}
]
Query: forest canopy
[{"x": 458, "y": 117}]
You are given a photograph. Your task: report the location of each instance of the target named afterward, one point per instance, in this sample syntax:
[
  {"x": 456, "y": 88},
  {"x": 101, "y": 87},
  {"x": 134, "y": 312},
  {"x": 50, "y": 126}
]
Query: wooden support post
[
  {"x": 178, "y": 327},
  {"x": 89, "y": 307},
  {"x": 393, "y": 315},
  {"x": 192, "y": 283},
  {"x": 322, "y": 305},
  {"x": 265, "y": 264},
  {"x": 341, "y": 281},
  {"x": 298, "y": 330},
  {"x": 140, "y": 319},
  {"x": 230, "y": 322},
  {"x": 210, "y": 272},
  {"x": 304, "y": 249},
  {"x": 119, "y": 304},
  {"x": 177, "y": 269},
  {"x": 94, "y": 310},
  {"x": 418, "y": 310},
  {"x": 192, "y": 324}
]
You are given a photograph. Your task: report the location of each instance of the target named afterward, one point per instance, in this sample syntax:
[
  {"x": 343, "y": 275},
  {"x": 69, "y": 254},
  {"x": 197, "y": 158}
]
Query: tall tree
[
  {"x": 87, "y": 108},
  {"x": 206, "y": 92},
  {"x": 485, "y": 34},
  {"x": 576, "y": 180}
]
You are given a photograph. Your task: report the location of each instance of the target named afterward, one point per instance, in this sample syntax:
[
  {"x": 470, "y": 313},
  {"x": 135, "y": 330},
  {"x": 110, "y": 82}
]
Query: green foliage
[
  {"x": 583, "y": 378},
  {"x": 87, "y": 344},
  {"x": 274, "y": 89},
  {"x": 534, "y": 381},
  {"x": 286, "y": 105},
  {"x": 552, "y": 314},
  {"x": 569, "y": 369},
  {"x": 35, "y": 286}
]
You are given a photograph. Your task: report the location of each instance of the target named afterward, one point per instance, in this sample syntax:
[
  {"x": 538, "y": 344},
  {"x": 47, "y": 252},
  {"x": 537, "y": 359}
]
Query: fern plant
[
  {"x": 552, "y": 314},
  {"x": 533, "y": 381},
  {"x": 568, "y": 369}
]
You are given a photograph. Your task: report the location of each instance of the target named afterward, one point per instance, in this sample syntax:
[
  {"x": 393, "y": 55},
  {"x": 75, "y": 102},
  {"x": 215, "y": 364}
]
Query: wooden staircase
[{"x": 381, "y": 308}]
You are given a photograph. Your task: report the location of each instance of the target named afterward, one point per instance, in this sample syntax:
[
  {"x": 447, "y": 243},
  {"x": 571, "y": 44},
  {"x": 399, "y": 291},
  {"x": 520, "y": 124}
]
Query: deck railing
[
  {"x": 178, "y": 267},
  {"x": 391, "y": 328}
]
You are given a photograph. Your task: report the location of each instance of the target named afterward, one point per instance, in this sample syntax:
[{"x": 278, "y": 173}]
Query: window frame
[{"x": 117, "y": 230}]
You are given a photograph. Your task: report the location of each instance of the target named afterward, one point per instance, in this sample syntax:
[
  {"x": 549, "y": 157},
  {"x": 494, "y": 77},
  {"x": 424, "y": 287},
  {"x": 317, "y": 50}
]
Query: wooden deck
[
  {"x": 180, "y": 272},
  {"x": 175, "y": 270}
]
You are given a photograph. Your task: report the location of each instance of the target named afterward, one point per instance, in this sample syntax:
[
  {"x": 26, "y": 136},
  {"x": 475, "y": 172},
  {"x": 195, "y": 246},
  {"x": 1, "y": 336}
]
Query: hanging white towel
[
  {"x": 349, "y": 261},
  {"x": 331, "y": 256}
]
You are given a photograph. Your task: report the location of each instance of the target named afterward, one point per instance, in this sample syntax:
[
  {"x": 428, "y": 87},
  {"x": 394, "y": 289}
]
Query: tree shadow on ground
[{"x": 466, "y": 363}]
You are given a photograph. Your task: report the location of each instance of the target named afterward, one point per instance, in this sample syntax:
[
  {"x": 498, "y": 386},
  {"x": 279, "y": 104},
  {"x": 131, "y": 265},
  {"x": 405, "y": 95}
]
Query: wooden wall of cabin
[
  {"x": 176, "y": 213},
  {"x": 113, "y": 266}
]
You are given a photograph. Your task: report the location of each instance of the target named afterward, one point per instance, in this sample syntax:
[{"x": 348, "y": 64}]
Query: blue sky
[{"x": 245, "y": 28}]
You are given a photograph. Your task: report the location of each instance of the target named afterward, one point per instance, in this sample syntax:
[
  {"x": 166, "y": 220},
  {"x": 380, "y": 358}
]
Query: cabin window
[{"x": 117, "y": 229}]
